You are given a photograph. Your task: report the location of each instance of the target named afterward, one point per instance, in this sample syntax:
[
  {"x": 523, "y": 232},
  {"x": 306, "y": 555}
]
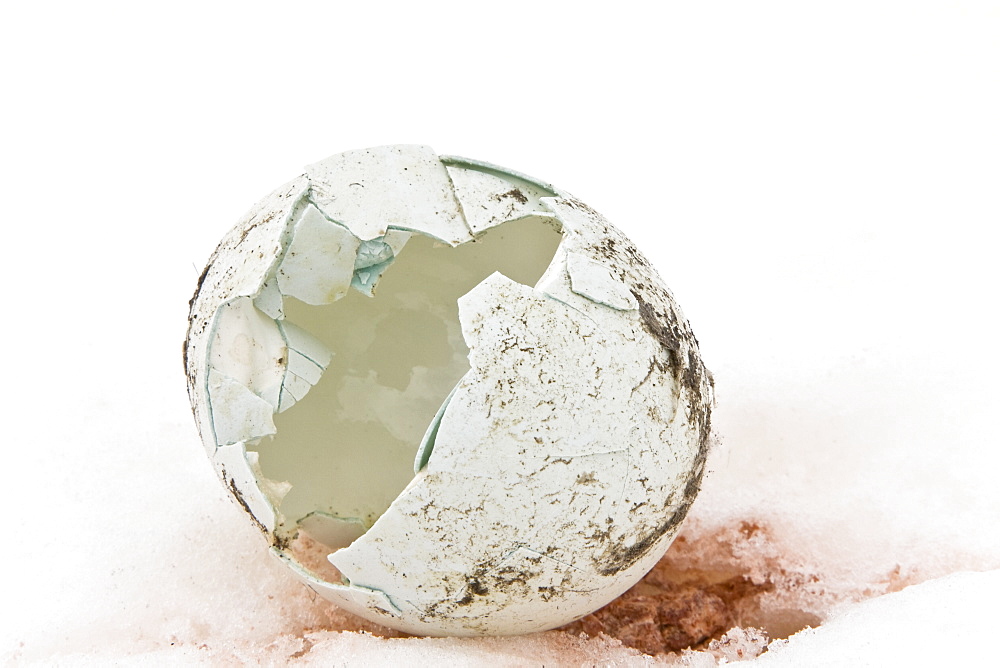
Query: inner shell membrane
[{"x": 348, "y": 447}]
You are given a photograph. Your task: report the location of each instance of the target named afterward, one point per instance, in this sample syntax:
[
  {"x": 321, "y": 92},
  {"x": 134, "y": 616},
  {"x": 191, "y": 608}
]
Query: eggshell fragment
[
  {"x": 318, "y": 266},
  {"x": 555, "y": 471},
  {"x": 593, "y": 280},
  {"x": 403, "y": 187},
  {"x": 238, "y": 415},
  {"x": 490, "y": 196}
]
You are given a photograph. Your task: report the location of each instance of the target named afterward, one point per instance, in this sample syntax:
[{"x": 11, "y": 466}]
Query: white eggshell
[{"x": 556, "y": 471}]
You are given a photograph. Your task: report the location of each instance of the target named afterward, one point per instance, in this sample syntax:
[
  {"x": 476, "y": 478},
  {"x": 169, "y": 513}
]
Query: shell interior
[{"x": 348, "y": 445}]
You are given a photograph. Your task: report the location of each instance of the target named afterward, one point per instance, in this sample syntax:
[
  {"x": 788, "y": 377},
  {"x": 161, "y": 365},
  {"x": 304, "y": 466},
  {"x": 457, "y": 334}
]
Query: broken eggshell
[{"x": 461, "y": 385}]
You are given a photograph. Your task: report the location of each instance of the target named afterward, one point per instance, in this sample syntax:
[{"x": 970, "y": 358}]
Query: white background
[{"x": 817, "y": 183}]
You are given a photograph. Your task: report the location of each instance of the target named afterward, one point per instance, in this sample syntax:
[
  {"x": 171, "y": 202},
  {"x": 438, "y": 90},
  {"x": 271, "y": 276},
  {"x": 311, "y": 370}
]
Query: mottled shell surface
[{"x": 564, "y": 460}]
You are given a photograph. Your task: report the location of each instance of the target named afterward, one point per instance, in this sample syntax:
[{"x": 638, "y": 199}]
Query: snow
[
  {"x": 933, "y": 623},
  {"x": 826, "y": 178}
]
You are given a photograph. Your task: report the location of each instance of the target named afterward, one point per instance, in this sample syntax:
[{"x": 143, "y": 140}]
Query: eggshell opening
[{"x": 348, "y": 445}]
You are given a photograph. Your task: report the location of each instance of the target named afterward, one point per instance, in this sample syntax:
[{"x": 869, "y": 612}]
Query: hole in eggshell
[{"x": 348, "y": 446}]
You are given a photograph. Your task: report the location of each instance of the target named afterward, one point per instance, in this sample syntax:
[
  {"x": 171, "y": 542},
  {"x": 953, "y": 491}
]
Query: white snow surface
[{"x": 817, "y": 185}]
